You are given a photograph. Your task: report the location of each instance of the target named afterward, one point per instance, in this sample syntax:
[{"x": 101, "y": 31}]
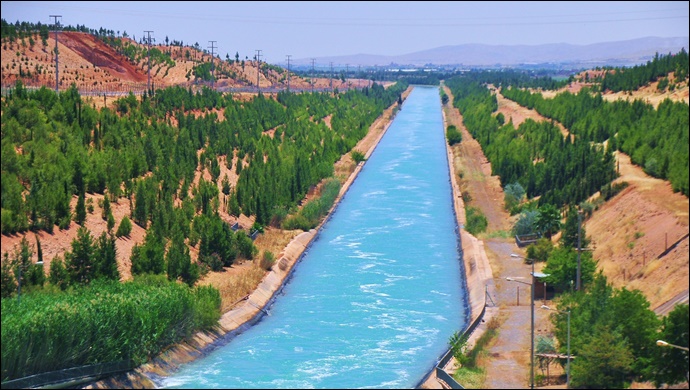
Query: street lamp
[
  {"x": 567, "y": 370},
  {"x": 663, "y": 343},
  {"x": 531, "y": 371}
]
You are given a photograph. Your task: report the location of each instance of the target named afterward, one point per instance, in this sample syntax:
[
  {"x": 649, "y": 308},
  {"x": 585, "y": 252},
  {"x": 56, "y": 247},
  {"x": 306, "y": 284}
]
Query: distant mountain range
[{"x": 619, "y": 53}]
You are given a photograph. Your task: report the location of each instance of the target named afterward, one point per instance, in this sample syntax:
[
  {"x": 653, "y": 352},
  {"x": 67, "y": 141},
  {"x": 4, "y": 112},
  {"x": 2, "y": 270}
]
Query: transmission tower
[
  {"x": 258, "y": 69},
  {"x": 148, "y": 50},
  {"x": 312, "y": 75},
  {"x": 331, "y": 76},
  {"x": 57, "y": 26},
  {"x": 288, "y": 72},
  {"x": 213, "y": 77}
]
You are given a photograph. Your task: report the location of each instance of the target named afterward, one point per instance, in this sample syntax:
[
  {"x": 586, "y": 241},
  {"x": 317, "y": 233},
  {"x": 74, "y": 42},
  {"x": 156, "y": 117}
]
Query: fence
[{"x": 70, "y": 377}]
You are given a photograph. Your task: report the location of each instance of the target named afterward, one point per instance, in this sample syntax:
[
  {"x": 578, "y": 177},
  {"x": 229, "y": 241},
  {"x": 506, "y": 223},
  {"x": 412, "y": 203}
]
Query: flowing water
[{"x": 377, "y": 295}]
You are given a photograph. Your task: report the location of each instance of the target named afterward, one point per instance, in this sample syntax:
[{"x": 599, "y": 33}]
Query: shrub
[
  {"x": 357, "y": 156},
  {"x": 476, "y": 221},
  {"x": 125, "y": 228},
  {"x": 453, "y": 135},
  {"x": 267, "y": 260}
]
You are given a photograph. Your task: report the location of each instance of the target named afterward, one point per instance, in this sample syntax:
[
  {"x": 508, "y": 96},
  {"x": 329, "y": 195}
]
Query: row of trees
[
  {"x": 656, "y": 139},
  {"x": 613, "y": 333},
  {"x": 630, "y": 79},
  {"x": 560, "y": 170}
]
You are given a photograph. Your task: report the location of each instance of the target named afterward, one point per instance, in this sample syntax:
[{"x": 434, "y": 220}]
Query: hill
[
  {"x": 619, "y": 53},
  {"x": 97, "y": 67}
]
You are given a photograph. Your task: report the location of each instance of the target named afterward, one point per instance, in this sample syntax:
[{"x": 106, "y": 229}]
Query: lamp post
[
  {"x": 663, "y": 343},
  {"x": 567, "y": 370},
  {"x": 532, "y": 314},
  {"x": 531, "y": 371}
]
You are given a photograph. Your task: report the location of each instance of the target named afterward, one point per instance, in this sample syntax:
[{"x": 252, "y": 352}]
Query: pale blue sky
[{"x": 318, "y": 29}]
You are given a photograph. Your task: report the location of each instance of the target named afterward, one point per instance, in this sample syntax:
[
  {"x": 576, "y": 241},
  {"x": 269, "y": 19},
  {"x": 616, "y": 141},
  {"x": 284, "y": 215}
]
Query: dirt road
[{"x": 508, "y": 362}]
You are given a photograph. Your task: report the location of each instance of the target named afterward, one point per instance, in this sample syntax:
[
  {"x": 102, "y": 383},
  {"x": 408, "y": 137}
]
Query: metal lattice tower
[
  {"x": 331, "y": 76},
  {"x": 148, "y": 50},
  {"x": 57, "y": 69},
  {"x": 312, "y": 75},
  {"x": 258, "y": 69},
  {"x": 213, "y": 77},
  {"x": 288, "y": 72}
]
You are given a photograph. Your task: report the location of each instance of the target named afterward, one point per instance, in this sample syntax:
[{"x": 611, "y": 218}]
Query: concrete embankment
[
  {"x": 252, "y": 308},
  {"x": 478, "y": 273}
]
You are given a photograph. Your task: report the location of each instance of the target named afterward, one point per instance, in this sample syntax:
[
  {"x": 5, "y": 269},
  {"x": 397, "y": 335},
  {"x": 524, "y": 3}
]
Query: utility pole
[
  {"x": 148, "y": 54},
  {"x": 57, "y": 25},
  {"x": 288, "y": 73},
  {"x": 312, "y": 75},
  {"x": 213, "y": 77},
  {"x": 578, "y": 284},
  {"x": 331, "y": 77},
  {"x": 347, "y": 75},
  {"x": 258, "y": 69}
]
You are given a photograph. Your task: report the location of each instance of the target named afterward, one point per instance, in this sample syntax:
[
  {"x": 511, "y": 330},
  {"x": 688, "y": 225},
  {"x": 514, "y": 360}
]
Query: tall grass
[
  {"x": 310, "y": 215},
  {"x": 102, "y": 322}
]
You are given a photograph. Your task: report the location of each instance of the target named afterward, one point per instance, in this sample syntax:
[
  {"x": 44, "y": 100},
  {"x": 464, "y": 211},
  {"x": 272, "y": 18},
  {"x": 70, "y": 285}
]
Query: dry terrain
[{"x": 628, "y": 234}]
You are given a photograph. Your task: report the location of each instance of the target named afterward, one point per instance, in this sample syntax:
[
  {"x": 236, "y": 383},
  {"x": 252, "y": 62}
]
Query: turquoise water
[{"x": 377, "y": 295}]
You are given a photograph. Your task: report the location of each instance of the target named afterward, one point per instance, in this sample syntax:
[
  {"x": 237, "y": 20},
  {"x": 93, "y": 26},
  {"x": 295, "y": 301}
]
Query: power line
[{"x": 432, "y": 21}]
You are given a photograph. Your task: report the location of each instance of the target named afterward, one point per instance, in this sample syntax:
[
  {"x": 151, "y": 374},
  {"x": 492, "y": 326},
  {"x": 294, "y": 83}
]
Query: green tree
[
  {"x": 514, "y": 193},
  {"x": 80, "y": 211},
  {"x": 105, "y": 259},
  {"x": 548, "y": 220},
  {"x": 605, "y": 362},
  {"x": 80, "y": 263},
  {"x": 125, "y": 227},
  {"x": 149, "y": 258},
  {"x": 561, "y": 267},
  {"x": 670, "y": 365},
  {"x": 58, "y": 273},
  {"x": 570, "y": 230},
  {"x": 526, "y": 223},
  {"x": 9, "y": 283},
  {"x": 105, "y": 211},
  {"x": 541, "y": 250}
]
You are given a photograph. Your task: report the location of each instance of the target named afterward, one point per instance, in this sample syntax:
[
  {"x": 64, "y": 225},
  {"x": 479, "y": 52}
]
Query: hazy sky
[{"x": 317, "y": 29}]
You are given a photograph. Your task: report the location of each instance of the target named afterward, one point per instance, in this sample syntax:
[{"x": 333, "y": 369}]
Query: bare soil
[{"x": 628, "y": 233}]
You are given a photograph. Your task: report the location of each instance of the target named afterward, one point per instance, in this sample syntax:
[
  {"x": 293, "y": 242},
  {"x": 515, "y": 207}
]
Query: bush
[
  {"x": 357, "y": 156},
  {"x": 453, "y": 135},
  {"x": 267, "y": 260},
  {"x": 526, "y": 223},
  {"x": 125, "y": 228},
  {"x": 476, "y": 221}
]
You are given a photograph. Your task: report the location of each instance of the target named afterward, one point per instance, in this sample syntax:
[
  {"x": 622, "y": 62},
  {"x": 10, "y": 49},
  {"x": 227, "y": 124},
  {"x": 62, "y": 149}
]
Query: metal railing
[{"x": 69, "y": 377}]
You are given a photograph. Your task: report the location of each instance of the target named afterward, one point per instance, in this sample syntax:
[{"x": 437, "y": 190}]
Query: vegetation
[
  {"x": 658, "y": 68},
  {"x": 613, "y": 334},
  {"x": 470, "y": 374},
  {"x": 475, "y": 220},
  {"x": 556, "y": 169},
  {"x": 139, "y": 318},
  {"x": 453, "y": 135},
  {"x": 655, "y": 139}
]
